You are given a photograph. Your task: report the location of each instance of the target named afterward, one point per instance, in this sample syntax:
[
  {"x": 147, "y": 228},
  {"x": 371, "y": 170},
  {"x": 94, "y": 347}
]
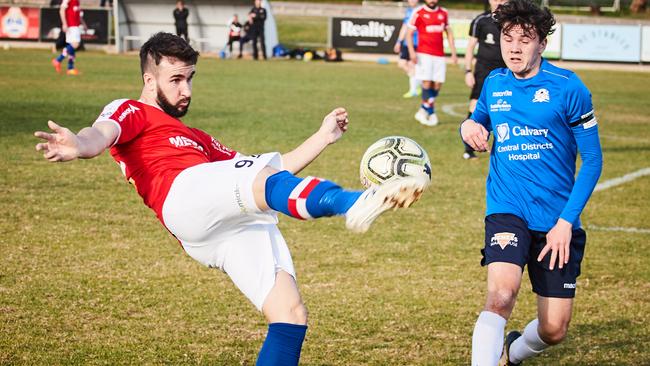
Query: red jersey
[
  {"x": 72, "y": 12},
  {"x": 430, "y": 23},
  {"x": 152, "y": 148}
]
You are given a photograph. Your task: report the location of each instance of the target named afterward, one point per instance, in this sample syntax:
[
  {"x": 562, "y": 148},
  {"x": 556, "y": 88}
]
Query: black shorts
[
  {"x": 480, "y": 73},
  {"x": 508, "y": 239}
]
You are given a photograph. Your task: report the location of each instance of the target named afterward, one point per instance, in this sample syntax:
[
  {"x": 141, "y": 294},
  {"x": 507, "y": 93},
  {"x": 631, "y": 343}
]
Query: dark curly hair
[
  {"x": 164, "y": 44},
  {"x": 526, "y": 14}
]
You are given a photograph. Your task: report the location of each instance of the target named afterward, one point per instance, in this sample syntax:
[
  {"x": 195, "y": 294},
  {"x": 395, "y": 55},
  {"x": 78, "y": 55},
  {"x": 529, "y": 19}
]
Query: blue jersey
[
  {"x": 539, "y": 124},
  {"x": 405, "y": 22}
]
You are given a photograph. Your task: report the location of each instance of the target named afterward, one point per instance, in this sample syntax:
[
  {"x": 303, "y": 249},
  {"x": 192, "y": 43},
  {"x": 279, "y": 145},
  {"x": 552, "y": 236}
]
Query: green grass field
[{"x": 89, "y": 276}]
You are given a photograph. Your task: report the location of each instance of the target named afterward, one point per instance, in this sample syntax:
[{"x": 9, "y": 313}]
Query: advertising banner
[
  {"x": 554, "y": 45},
  {"x": 460, "y": 30},
  {"x": 370, "y": 35},
  {"x": 19, "y": 23},
  {"x": 96, "y": 20},
  {"x": 645, "y": 46},
  {"x": 601, "y": 42}
]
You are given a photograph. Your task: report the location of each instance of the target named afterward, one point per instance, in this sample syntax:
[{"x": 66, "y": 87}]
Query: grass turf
[{"x": 88, "y": 275}]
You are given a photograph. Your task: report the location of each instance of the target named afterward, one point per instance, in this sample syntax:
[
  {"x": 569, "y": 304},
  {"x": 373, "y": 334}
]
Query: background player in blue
[
  {"x": 540, "y": 116},
  {"x": 402, "y": 49}
]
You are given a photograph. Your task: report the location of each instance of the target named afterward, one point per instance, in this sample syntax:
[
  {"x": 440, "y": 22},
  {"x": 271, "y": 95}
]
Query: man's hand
[
  {"x": 469, "y": 80},
  {"x": 61, "y": 145},
  {"x": 397, "y": 47},
  {"x": 558, "y": 241},
  {"x": 334, "y": 125},
  {"x": 475, "y": 135},
  {"x": 454, "y": 59}
]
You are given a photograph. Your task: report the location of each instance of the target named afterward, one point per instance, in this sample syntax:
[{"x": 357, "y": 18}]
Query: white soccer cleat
[
  {"x": 433, "y": 120},
  {"x": 422, "y": 116},
  {"x": 376, "y": 200}
]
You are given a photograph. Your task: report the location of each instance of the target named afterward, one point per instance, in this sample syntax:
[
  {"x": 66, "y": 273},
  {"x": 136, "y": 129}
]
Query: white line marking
[
  {"x": 620, "y": 180},
  {"x": 619, "y": 228},
  {"x": 449, "y": 109}
]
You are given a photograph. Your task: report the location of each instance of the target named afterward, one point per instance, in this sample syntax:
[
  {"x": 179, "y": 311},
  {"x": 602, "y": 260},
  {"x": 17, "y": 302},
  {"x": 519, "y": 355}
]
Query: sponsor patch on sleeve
[{"x": 587, "y": 120}]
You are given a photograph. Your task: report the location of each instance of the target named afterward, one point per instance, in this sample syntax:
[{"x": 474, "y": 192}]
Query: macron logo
[
  {"x": 505, "y": 93},
  {"x": 130, "y": 109}
]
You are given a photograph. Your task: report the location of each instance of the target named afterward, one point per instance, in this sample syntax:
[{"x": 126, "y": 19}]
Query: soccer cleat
[
  {"x": 410, "y": 94},
  {"x": 433, "y": 120},
  {"x": 73, "y": 72},
  {"x": 57, "y": 65},
  {"x": 505, "y": 357},
  {"x": 402, "y": 192},
  {"x": 422, "y": 116}
]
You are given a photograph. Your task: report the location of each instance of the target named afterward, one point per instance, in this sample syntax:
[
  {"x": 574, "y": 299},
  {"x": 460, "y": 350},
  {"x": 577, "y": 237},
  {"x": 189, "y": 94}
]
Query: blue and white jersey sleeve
[{"x": 584, "y": 126}]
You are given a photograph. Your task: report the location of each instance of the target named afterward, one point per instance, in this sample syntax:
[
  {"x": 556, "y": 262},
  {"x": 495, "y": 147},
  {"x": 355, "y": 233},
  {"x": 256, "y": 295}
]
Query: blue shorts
[{"x": 508, "y": 239}]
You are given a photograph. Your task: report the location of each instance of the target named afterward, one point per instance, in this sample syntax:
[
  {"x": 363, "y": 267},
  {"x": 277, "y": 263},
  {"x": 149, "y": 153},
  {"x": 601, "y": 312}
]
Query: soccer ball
[{"x": 393, "y": 157}]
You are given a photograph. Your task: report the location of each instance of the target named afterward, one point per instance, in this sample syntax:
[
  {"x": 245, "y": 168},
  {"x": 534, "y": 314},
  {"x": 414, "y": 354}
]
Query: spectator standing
[
  {"x": 180, "y": 19},
  {"x": 258, "y": 14},
  {"x": 234, "y": 34}
]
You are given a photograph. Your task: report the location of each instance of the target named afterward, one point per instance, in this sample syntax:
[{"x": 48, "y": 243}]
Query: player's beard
[{"x": 173, "y": 110}]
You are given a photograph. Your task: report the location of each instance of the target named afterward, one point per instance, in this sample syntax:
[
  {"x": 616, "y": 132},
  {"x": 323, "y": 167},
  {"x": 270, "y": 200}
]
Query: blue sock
[
  {"x": 307, "y": 198},
  {"x": 60, "y": 57},
  {"x": 426, "y": 94},
  {"x": 282, "y": 345},
  {"x": 71, "y": 54}
]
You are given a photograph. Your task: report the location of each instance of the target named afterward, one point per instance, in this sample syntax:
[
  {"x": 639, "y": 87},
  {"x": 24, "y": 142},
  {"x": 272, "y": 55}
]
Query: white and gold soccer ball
[{"x": 393, "y": 157}]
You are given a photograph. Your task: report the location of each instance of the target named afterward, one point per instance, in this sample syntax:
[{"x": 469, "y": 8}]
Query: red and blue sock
[
  {"x": 428, "y": 99},
  {"x": 307, "y": 198}
]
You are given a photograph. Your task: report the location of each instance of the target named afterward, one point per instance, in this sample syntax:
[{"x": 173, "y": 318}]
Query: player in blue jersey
[
  {"x": 402, "y": 49},
  {"x": 541, "y": 116}
]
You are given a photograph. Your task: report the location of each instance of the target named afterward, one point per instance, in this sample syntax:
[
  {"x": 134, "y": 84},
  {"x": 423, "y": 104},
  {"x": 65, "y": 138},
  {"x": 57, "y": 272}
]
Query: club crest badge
[
  {"x": 541, "y": 96},
  {"x": 504, "y": 239},
  {"x": 503, "y": 132}
]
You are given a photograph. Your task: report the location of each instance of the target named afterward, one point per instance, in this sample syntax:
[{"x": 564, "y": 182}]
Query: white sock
[
  {"x": 413, "y": 84},
  {"x": 487, "y": 340},
  {"x": 528, "y": 345}
]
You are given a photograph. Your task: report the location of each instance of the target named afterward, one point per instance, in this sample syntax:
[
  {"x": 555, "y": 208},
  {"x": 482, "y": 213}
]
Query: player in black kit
[
  {"x": 257, "y": 28},
  {"x": 180, "y": 19},
  {"x": 482, "y": 32}
]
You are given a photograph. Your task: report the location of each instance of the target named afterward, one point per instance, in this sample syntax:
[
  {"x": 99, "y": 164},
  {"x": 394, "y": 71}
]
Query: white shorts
[
  {"x": 73, "y": 35},
  {"x": 211, "y": 210},
  {"x": 430, "y": 68}
]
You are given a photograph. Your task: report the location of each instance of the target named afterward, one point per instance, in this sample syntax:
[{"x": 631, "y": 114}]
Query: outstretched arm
[
  {"x": 63, "y": 145},
  {"x": 333, "y": 127}
]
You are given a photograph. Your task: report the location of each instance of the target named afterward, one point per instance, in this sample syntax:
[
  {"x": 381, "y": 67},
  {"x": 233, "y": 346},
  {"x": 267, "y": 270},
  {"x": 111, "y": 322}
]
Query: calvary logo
[
  {"x": 489, "y": 39},
  {"x": 504, "y": 239},
  {"x": 503, "y": 132},
  {"x": 541, "y": 96}
]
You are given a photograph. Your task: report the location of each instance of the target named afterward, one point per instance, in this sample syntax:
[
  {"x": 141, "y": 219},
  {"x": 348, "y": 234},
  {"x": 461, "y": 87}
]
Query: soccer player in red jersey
[
  {"x": 430, "y": 21},
  {"x": 71, "y": 22},
  {"x": 220, "y": 204}
]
